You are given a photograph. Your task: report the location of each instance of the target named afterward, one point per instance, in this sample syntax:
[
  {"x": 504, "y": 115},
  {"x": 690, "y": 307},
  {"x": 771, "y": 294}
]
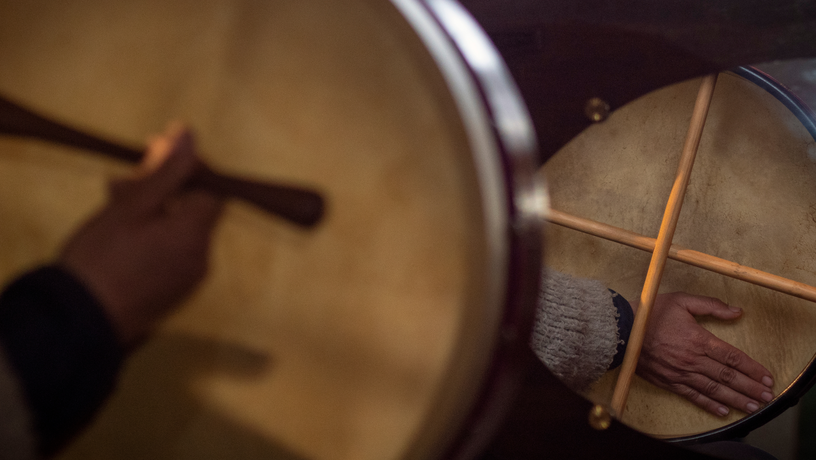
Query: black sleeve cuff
[
  {"x": 625, "y": 320},
  {"x": 63, "y": 348}
]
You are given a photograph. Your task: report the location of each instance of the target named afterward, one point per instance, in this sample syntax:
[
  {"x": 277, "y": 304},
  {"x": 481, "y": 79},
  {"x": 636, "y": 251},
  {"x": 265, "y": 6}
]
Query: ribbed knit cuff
[
  {"x": 625, "y": 320},
  {"x": 63, "y": 348},
  {"x": 575, "y": 332}
]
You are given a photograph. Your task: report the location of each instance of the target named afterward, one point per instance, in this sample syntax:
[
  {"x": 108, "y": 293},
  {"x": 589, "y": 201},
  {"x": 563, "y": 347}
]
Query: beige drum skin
[
  {"x": 751, "y": 199},
  {"x": 366, "y": 337}
]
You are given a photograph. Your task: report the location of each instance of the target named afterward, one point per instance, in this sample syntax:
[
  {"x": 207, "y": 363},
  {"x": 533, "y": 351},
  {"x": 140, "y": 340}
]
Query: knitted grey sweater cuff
[{"x": 575, "y": 331}]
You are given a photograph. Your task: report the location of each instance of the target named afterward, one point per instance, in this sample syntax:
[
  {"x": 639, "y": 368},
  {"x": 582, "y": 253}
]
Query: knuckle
[
  {"x": 687, "y": 361},
  {"x": 727, "y": 375},
  {"x": 711, "y": 388},
  {"x": 712, "y": 303},
  {"x": 684, "y": 377},
  {"x": 689, "y": 393},
  {"x": 733, "y": 358}
]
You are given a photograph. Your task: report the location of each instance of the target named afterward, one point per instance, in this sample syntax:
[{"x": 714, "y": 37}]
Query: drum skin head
[
  {"x": 750, "y": 200},
  {"x": 365, "y": 338}
]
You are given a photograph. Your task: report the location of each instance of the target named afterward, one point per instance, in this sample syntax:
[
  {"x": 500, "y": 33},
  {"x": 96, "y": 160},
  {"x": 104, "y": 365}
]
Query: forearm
[
  {"x": 62, "y": 350},
  {"x": 576, "y": 331}
]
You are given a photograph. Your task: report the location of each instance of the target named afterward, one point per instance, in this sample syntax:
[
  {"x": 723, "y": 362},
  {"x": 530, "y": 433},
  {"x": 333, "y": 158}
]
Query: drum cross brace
[
  {"x": 662, "y": 246},
  {"x": 689, "y": 256}
]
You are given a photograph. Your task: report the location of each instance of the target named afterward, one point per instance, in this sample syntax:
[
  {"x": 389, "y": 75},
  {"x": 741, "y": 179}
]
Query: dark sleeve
[
  {"x": 63, "y": 349},
  {"x": 625, "y": 320}
]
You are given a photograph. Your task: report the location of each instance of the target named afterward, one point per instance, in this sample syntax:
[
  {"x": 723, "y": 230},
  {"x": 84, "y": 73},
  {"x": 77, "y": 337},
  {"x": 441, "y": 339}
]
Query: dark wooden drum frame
[{"x": 526, "y": 202}]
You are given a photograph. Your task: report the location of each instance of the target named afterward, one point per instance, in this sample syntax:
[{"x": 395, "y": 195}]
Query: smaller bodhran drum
[
  {"x": 381, "y": 333},
  {"x": 751, "y": 199}
]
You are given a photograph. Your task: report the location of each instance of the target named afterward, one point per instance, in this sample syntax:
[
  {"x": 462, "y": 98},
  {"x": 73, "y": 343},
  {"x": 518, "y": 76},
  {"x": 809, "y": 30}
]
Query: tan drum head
[
  {"x": 368, "y": 337},
  {"x": 751, "y": 200}
]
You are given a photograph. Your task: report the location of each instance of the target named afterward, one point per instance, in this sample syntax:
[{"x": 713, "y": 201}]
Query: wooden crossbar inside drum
[{"x": 666, "y": 424}]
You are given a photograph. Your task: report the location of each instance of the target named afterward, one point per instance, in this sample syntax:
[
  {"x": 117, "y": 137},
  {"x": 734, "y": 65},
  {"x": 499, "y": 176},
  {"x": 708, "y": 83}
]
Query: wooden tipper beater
[{"x": 662, "y": 248}]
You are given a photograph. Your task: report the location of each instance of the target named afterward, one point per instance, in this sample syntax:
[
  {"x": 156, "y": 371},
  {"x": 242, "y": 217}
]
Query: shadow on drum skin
[{"x": 155, "y": 412}]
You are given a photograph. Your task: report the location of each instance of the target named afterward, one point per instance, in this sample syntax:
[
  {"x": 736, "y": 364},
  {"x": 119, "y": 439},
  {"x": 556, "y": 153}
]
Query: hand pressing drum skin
[
  {"x": 681, "y": 356},
  {"x": 147, "y": 249}
]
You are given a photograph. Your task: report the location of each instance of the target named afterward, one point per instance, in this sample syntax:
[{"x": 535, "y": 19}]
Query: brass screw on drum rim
[
  {"x": 599, "y": 417},
  {"x": 596, "y": 109}
]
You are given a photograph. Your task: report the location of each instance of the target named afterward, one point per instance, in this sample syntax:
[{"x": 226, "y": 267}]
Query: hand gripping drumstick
[
  {"x": 689, "y": 256},
  {"x": 664, "y": 239},
  {"x": 303, "y": 207}
]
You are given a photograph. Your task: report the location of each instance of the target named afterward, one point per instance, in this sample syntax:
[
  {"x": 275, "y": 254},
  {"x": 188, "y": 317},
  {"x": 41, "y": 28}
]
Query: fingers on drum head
[{"x": 749, "y": 200}]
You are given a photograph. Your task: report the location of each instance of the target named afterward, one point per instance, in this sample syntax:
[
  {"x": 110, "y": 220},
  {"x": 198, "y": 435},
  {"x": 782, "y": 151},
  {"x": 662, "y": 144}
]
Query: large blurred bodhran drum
[
  {"x": 374, "y": 335},
  {"x": 751, "y": 199}
]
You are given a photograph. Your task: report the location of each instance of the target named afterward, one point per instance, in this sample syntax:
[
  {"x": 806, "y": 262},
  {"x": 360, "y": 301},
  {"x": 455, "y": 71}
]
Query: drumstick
[
  {"x": 689, "y": 256},
  {"x": 664, "y": 239},
  {"x": 301, "y": 206}
]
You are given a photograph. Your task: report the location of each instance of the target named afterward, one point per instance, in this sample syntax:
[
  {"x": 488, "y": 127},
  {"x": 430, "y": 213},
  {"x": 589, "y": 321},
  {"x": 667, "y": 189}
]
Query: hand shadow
[{"x": 155, "y": 413}]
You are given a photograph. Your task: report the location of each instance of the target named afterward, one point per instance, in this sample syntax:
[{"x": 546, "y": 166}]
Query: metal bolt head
[
  {"x": 599, "y": 417},
  {"x": 596, "y": 109}
]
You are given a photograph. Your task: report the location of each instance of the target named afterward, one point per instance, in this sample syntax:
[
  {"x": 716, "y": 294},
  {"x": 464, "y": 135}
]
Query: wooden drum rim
[
  {"x": 758, "y": 129},
  {"x": 504, "y": 145},
  {"x": 460, "y": 165}
]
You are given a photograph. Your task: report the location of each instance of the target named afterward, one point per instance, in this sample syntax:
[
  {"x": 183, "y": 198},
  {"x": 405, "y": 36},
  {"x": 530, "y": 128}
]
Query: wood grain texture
[
  {"x": 750, "y": 200},
  {"x": 689, "y": 256},
  {"x": 664, "y": 240}
]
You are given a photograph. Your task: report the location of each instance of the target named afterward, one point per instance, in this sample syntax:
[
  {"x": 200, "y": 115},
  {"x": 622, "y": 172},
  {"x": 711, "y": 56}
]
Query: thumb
[
  {"x": 169, "y": 162},
  {"x": 701, "y": 305}
]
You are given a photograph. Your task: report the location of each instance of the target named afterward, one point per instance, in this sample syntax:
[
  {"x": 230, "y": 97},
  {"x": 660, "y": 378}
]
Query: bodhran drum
[
  {"x": 379, "y": 334},
  {"x": 751, "y": 200}
]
